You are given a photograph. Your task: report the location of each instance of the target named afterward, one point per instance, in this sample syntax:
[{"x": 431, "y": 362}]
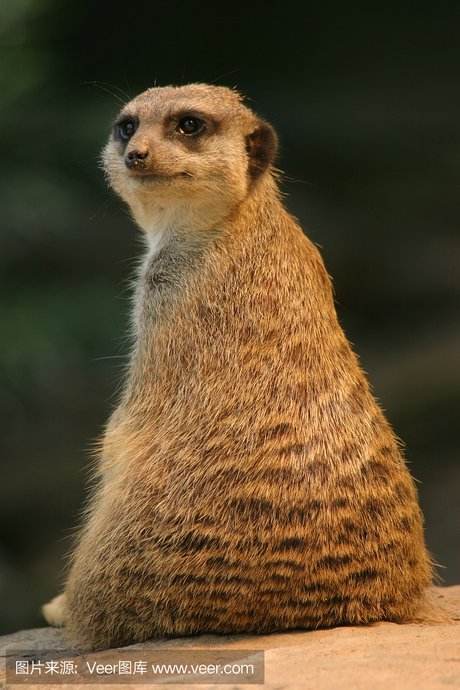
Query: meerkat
[{"x": 247, "y": 481}]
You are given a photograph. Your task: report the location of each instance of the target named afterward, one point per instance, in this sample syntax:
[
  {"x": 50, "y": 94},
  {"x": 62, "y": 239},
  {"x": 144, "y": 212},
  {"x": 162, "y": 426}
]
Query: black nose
[{"x": 136, "y": 158}]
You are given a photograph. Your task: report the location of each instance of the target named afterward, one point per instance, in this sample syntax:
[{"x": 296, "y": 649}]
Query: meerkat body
[{"x": 248, "y": 479}]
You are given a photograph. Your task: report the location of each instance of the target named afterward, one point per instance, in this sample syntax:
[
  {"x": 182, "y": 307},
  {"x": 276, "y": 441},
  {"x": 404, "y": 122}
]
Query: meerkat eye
[
  {"x": 126, "y": 129},
  {"x": 190, "y": 125}
]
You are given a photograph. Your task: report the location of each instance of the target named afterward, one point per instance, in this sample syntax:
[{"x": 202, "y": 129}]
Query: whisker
[
  {"x": 226, "y": 74},
  {"x": 102, "y": 86}
]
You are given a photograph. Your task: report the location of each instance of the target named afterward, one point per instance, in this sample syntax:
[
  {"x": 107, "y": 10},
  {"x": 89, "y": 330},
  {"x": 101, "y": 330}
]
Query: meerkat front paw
[{"x": 54, "y": 611}]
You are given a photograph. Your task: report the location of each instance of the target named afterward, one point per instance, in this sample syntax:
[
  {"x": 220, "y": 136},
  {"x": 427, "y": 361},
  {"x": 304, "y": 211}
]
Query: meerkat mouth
[{"x": 146, "y": 178}]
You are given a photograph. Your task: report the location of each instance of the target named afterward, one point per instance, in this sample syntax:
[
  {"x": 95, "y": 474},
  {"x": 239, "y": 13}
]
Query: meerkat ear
[{"x": 261, "y": 146}]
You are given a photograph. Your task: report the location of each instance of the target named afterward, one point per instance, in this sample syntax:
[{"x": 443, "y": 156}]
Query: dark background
[{"x": 366, "y": 100}]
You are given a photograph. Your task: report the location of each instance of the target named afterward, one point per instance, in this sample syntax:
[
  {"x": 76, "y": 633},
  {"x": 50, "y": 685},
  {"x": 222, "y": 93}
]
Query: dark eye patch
[
  {"x": 125, "y": 127},
  {"x": 190, "y": 124}
]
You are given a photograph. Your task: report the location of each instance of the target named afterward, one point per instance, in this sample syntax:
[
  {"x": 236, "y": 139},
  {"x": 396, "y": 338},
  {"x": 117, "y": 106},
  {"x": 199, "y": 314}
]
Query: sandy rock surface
[{"x": 384, "y": 656}]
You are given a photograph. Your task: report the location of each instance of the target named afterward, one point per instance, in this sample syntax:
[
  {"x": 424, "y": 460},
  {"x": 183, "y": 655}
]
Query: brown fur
[{"x": 249, "y": 481}]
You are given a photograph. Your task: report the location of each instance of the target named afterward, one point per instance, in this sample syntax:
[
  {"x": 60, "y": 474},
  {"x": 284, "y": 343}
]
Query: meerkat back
[{"x": 248, "y": 481}]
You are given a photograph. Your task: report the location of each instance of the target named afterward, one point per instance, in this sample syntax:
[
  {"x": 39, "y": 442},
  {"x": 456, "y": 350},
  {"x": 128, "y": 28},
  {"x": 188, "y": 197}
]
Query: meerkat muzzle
[{"x": 136, "y": 158}]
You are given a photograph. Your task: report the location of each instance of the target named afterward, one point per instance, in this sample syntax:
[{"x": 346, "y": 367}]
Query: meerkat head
[{"x": 186, "y": 155}]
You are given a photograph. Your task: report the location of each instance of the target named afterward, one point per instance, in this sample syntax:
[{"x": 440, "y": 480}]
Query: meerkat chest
[{"x": 166, "y": 272}]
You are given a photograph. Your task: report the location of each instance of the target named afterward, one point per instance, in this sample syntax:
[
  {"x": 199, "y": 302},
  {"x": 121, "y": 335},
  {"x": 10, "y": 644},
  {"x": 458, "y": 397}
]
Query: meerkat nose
[{"x": 136, "y": 158}]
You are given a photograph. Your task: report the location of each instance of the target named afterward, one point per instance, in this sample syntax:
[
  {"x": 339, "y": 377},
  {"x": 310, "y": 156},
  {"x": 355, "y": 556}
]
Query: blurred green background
[{"x": 366, "y": 99}]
